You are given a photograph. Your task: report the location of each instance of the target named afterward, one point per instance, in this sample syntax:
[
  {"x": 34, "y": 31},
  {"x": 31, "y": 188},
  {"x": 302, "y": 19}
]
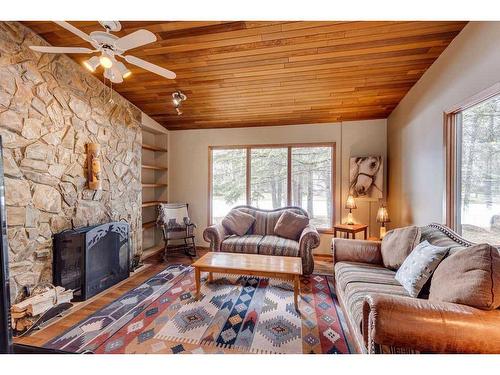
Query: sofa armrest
[
  {"x": 428, "y": 326},
  {"x": 215, "y": 234},
  {"x": 362, "y": 251},
  {"x": 309, "y": 240}
]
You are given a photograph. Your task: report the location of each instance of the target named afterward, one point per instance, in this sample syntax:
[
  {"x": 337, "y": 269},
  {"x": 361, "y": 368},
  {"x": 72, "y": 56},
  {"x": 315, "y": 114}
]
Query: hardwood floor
[{"x": 82, "y": 310}]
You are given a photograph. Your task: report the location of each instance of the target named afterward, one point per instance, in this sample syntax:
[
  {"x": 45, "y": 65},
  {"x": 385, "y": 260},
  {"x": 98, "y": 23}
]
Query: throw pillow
[
  {"x": 397, "y": 244},
  {"x": 290, "y": 225},
  {"x": 419, "y": 266},
  {"x": 470, "y": 276},
  {"x": 237, "y": 222}
]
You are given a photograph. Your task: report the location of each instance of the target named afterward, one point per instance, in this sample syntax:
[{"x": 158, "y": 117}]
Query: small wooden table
[
  {"x": 288, "y": 268},
  {"x": 350, "y": 229}
]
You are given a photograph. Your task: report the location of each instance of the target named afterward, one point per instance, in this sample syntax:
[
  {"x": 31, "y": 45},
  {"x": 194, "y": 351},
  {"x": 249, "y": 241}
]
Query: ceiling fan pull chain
[{"x": 111, "y": 101}]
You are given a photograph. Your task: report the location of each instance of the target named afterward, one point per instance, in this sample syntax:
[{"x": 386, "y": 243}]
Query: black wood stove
[{"x": 91, "y": 259}]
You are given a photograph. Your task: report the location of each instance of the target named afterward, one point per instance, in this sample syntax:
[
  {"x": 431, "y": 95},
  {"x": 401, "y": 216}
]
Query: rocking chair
[{"x": 177, "y": 228}]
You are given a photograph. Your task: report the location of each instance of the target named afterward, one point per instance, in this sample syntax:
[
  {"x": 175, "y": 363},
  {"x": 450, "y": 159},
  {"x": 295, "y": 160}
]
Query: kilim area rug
[{"x": 235, "y": 314}]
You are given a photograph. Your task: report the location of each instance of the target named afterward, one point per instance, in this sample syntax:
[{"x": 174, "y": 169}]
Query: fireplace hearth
[{"x": 91, "y": 259}]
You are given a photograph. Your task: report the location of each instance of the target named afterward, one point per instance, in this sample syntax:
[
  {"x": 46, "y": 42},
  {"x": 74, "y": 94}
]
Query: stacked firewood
[{"x": 26, "y": 313}]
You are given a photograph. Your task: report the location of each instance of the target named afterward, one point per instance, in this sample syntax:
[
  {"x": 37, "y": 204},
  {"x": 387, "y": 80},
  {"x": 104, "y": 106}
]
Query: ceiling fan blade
[
  {"x": 151, "y": 67},
  {"x": 50, "y": 49},
  {"x": 74, "y": 30},
  {"x": 136, "y": 39}
]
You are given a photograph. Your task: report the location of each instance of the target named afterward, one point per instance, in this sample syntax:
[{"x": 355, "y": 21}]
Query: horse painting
[{"x": 366, "y": 177}]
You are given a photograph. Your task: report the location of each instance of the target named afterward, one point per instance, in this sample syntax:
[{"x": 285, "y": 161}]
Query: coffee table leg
[
  {"x": 296, "y": 283},
  {"x": 210, "y": 277},
  {"x": 197, "y": 280}
]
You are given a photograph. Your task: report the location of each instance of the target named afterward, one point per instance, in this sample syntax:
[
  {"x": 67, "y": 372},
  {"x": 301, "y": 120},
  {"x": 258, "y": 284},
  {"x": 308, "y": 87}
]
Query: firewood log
[{"x": 26, "y": 312}]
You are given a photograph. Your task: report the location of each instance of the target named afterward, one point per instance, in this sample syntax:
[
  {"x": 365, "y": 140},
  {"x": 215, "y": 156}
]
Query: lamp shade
[
  {"x": 382, "y": 215},
  {"x": 350, "y": 203}
]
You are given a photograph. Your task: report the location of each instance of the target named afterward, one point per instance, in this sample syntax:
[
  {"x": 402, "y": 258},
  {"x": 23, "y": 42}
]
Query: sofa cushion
[
  {"x": 237, "y": 222},
  {"x": 274, "y": 245},
  {"x": 355, "y": 280},
  {"x": 354, "y": 295},
  {"x": 419, "y": 266},
  {"x": 244, "y": 244},
  {"x": 470, "y": 277},
  {"x": 397, "y": 244},
  {"x": 349, "y": 272},
  {"x": 290, "y": 225}
]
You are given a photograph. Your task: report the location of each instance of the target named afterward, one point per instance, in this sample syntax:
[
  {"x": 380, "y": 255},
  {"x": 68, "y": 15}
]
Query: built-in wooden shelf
[
  {"x": 154, "y": 188},
  {"x": 153, "y": 148},
  {"x": 149, "y": 224},
  {"x": 153, "y": 185},
  {"x": 152, "y": 203},
  {"x": 154, "y": 167},
  {"x": 152, "y": 251}
]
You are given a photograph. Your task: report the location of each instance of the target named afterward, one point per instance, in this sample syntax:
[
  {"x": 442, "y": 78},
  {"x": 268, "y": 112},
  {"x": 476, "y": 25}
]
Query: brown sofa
[
  {"x": 261, "y": 239},
  {"x": 382, "y": 318}
]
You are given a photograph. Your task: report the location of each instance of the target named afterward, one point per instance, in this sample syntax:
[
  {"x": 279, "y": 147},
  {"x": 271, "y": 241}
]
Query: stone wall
[{"x": 50, "y": 108}]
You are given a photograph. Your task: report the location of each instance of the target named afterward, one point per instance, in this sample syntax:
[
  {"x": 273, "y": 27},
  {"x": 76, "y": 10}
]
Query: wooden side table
[{"x": 351, "y": 229}]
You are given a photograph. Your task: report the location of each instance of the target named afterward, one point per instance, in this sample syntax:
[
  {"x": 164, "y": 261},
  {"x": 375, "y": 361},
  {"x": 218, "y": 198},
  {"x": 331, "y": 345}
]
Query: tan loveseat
[
  {"x": 383, "y": 318},
  {"x": 261, "y": 239}
]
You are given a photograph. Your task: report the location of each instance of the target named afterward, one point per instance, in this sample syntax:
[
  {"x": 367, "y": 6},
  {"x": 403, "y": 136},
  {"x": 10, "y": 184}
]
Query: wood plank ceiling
[{"x": 242, "y": 73}]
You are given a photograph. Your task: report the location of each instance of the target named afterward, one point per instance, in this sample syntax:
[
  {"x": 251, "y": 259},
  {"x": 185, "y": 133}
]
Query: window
[
  {"x": 228, "y": 181},
  {"x": 476, "y": 171},
  {"x": 270, "y": 177},
  {"x": 312, "y": 183}
]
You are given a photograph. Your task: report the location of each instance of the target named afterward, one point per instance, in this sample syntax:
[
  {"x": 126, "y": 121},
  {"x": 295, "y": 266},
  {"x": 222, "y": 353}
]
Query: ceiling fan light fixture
[
  {"x": 110, "y": 46},
  {"x": 92, "y": 64},
  {"x": 124, "y": 71},
  {"x": 106, "y": 61}
]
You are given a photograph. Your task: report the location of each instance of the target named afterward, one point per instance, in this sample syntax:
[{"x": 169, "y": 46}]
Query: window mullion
[
  {"x": 289, "y": 177},
  {"x": 248, "y": 176}
]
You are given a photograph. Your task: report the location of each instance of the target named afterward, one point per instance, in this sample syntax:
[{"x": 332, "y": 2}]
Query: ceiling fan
[{"x": 110, "y": 46}]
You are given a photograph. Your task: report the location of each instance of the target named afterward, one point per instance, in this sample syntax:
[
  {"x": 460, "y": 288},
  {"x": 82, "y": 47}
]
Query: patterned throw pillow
[{"x": 419, "y": 266}]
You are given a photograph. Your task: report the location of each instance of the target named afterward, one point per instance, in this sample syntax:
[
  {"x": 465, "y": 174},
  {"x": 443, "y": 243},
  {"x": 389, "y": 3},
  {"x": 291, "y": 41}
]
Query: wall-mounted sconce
[
  {"x": 94, "y": 166},
  {"x": 177, "y": 98}
]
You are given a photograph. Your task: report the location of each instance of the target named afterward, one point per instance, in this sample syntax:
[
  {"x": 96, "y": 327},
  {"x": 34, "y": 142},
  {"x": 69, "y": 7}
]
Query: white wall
[
  {"x": 188, "y": 161},
  {"x": 470, "y": 64}
]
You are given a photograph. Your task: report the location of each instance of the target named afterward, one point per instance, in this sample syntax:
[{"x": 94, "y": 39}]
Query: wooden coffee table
[{"x": 288, "y": 268}]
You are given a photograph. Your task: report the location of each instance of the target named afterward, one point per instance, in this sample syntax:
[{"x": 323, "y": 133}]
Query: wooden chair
[{"x": 177, "y": 228}]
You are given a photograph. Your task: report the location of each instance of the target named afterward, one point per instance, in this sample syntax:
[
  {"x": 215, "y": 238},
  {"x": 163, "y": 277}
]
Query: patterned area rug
[{"x": 235, "y": 314}]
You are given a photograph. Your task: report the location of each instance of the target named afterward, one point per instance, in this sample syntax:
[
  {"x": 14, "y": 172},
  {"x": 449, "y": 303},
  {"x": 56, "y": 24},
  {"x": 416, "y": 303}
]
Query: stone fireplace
[{"x": 50, "y": 108}]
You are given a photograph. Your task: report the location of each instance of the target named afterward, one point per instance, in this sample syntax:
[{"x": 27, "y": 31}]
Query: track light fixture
[{"x": 177, "y": 98}]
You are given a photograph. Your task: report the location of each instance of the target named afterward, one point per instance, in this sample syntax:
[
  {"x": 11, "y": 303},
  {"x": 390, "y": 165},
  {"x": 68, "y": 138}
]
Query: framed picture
[{"x": 366, "y": 177}]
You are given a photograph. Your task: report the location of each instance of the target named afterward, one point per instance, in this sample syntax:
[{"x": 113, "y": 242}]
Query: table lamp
[
  {"x": 350, "y": 205},
  {"x": 382, "y": 218}
]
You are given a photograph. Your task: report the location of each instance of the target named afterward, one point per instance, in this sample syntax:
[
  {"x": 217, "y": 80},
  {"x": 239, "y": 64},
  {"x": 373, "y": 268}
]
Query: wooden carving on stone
[{"x": 93, "y": 166}]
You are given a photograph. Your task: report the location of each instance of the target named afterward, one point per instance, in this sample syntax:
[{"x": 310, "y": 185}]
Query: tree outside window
[
  {"x": 308, "y": 179},
  {"x": 478, "y": 180}
]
